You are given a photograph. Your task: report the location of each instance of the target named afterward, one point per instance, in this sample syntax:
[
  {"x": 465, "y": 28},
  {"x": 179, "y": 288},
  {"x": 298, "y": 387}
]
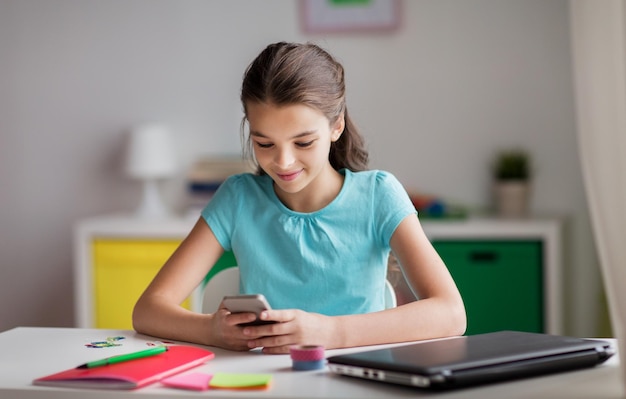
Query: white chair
[
  {"x": 390, "y": 296},
  {"x": 226, "y": 282}
]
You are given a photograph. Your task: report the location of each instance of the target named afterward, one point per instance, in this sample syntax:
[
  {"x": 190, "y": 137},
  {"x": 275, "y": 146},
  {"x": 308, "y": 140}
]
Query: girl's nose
[{"x": 284, "y": 158}]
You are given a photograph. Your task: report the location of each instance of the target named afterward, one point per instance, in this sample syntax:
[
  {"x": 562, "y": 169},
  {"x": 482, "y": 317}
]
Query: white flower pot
[{"x": 511, "y": 198}]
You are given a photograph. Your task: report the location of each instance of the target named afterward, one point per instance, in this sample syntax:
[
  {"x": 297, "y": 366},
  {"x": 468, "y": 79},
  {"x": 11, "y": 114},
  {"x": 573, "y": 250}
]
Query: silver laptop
[{"x": 472, "y": 360}]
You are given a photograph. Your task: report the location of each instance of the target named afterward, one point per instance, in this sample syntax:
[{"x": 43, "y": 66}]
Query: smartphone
[{"x": 255, "y": 303}]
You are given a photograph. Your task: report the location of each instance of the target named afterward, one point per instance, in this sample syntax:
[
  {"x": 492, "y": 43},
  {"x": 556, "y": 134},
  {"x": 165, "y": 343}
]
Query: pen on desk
[{"x": 123, "y": 358}]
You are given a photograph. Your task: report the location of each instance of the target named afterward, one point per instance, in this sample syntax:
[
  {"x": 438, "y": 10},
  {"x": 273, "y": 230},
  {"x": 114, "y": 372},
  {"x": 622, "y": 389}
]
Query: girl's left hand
[{"x": 293, "y": 327}]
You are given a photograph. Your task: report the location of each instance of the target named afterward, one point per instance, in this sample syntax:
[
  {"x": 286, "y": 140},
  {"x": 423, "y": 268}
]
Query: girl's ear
[{"x": 338, "y": 127}]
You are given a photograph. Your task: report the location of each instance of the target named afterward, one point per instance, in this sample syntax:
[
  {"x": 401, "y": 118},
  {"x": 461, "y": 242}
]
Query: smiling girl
[{"x": 311, "y": 230}]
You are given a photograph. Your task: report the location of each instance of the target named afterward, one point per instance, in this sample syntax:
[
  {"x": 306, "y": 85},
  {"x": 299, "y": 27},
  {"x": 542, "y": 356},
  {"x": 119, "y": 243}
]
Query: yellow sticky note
[{"x": 240, "y": 381}]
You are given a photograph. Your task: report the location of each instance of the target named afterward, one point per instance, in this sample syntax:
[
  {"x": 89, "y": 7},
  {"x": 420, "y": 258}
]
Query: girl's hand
[
  {"x": 227, "y": 332},
  {"x": 293, "y": 327}
]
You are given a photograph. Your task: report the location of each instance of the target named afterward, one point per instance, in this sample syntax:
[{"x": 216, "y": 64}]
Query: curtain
[{"x": 598, "y": 34}]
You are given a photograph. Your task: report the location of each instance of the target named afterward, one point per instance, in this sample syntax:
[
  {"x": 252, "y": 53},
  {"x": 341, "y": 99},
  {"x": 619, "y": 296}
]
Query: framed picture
[{"x": 327, "y": 16}]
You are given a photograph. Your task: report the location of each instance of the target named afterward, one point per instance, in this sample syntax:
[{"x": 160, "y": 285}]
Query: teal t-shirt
[{"x": 332, "y": 261}]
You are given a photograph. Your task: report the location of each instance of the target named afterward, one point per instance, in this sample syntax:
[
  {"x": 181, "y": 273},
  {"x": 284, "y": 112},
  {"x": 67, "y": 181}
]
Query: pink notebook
[{"x": 131, "y": 374}]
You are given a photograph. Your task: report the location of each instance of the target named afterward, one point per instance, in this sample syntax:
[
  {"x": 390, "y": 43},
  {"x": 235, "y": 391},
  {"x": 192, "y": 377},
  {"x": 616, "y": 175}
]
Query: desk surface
[{"x": 28, "y": 353}]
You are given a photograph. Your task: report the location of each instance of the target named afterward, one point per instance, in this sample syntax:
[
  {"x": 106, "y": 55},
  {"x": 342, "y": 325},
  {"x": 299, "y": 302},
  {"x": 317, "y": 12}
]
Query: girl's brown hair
[{"x": 293, "y": 73}]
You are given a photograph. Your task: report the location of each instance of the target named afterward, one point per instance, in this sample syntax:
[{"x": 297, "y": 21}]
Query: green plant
[{"x": 512, "y": 165}]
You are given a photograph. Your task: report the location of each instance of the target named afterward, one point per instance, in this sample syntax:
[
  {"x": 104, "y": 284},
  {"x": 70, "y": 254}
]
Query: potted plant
[{"x": 512, "y": 174}]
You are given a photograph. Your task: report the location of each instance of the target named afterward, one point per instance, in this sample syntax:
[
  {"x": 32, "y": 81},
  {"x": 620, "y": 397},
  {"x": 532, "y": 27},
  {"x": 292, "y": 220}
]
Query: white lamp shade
[{"x": 151, "y": 153}]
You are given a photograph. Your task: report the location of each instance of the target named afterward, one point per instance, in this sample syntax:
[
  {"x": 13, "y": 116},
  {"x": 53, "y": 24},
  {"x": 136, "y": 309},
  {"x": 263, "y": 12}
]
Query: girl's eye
[
  {"x": 304, "y": 145},
  {"x": 263, "y": 145}
]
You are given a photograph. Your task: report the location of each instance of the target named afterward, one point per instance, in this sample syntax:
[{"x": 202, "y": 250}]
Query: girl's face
[{"x": 291, "y": 144}]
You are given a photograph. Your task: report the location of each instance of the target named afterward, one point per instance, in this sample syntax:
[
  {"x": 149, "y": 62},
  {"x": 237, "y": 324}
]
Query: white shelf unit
[{"x": 547, "y": 230}]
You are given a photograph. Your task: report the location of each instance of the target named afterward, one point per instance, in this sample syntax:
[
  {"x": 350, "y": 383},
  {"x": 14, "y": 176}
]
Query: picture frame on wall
[{"x": 336, "y": 16}]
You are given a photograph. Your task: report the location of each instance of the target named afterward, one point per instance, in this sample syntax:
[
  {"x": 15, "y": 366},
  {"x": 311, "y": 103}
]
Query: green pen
[{"x": 123, "y": 358}]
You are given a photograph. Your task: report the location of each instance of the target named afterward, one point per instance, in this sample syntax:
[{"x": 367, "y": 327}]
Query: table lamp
[{"x": 151, "y": 157}]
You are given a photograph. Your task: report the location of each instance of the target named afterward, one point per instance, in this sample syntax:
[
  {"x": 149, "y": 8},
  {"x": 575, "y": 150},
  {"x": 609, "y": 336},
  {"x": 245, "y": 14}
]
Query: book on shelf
[
  {"x": 207, "y": 174},
  {"x": 216, "y": 169}
]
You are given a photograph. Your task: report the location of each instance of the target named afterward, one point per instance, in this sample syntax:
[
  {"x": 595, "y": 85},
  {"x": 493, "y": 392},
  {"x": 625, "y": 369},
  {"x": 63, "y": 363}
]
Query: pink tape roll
[{"x": 307, "y": 353}]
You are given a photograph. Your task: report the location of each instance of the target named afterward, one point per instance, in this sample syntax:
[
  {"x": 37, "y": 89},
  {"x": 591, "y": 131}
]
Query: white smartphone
[{"x": 255, "y": 303}]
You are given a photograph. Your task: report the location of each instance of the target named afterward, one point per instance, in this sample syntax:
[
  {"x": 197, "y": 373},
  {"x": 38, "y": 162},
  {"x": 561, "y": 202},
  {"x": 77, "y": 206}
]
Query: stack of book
[{"x": 206, "y": 175}]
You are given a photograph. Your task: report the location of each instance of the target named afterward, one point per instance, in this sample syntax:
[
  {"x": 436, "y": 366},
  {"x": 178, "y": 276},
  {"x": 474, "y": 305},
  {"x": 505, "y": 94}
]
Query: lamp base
[{"x": 151, "y": 206}]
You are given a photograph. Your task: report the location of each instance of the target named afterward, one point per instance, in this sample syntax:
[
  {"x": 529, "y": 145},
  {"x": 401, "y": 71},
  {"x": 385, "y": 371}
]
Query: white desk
[{"x": 28, "y": 353}]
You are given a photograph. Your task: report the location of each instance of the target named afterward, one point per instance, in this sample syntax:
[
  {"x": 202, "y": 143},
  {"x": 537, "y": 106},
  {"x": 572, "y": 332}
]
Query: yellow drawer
[{"x": 122, "y": 271}]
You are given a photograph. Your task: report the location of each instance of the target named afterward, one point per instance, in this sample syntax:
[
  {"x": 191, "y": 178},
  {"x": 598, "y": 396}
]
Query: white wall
[{"x": 435, "y": 99}]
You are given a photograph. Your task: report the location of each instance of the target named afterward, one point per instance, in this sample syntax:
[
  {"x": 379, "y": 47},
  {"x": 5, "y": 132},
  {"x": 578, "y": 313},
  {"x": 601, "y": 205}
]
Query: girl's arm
[
  {"x": 158, "y": 312},
  {"x": 438, "y": 313}
]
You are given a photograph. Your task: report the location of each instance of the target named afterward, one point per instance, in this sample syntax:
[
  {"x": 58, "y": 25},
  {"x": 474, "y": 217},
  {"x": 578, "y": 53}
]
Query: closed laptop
[{"x": 471, "y": 360}]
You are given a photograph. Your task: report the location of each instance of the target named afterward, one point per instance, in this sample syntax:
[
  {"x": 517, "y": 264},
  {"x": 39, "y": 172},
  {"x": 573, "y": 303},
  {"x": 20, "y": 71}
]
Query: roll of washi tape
[
  {"x": 307, "y": 357},
  {"x": 300, "y": 365},
  {"x": 307, "y": 353}
]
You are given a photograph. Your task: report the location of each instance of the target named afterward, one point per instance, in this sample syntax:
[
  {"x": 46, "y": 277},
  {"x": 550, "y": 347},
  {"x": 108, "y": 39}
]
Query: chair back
[
  {"x": 226, "y": 282},
  {"x": 223, "y": 283}
]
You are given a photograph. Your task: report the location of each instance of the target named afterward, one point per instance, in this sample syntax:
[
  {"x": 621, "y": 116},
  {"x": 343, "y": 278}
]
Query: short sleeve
[
  {"x": 391, "y": 205},
  {"x": 220, "y": 213}
]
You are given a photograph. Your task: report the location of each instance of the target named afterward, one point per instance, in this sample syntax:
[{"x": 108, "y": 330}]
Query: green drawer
[{"x": 501, "y": 283}]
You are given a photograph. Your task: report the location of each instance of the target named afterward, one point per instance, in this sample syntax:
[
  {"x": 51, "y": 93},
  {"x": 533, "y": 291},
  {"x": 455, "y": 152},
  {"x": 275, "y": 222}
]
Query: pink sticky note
[{"x": 193, "y": 381}]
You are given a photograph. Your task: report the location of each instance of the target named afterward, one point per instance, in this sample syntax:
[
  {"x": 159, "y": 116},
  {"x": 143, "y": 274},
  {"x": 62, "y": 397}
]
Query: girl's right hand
[{"x": 227, "y": 330}]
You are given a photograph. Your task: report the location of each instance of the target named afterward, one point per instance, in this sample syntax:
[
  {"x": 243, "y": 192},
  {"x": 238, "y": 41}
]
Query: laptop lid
[{"x": 471, "y": 360}]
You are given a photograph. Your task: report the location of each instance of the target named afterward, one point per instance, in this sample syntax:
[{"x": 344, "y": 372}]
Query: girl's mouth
[{"x": 289, "y": 176}]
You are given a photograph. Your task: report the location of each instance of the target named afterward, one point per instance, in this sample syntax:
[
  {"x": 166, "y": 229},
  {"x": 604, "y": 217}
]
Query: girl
[{"x": 311, "y": 230}]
